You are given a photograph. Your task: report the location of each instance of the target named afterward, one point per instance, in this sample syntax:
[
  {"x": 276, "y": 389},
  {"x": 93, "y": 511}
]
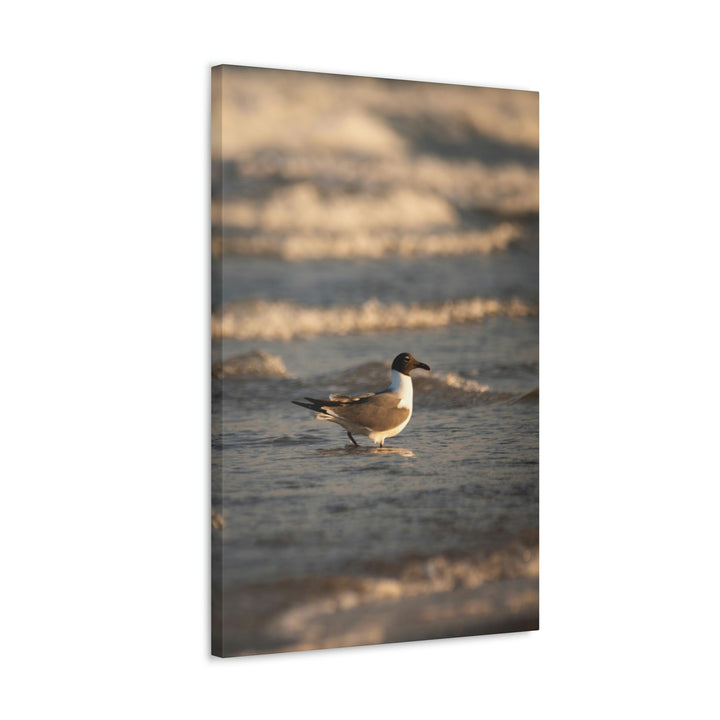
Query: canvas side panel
[{"x": 216, "y": 194}]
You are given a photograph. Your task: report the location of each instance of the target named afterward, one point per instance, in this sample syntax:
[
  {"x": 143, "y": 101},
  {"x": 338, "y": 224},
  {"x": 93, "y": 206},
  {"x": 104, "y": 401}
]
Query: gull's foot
[{"x": 353, "y": 439}]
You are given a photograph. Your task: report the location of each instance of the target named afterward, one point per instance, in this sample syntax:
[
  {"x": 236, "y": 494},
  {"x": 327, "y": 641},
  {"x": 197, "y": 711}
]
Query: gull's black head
[{"x": 405, "y": 362}]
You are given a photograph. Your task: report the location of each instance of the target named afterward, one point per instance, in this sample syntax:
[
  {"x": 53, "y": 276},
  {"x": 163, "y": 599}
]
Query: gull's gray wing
[{"x": 376, "y": 412}]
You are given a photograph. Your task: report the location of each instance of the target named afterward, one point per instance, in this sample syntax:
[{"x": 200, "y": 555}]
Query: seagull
[{"x": 377, "y": 415}]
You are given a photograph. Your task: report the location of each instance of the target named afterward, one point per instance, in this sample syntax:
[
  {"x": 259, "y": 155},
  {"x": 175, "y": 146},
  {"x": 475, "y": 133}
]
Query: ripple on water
[
  {"x": 289, "y": 440},
  {"x": 364, "y": 451}
]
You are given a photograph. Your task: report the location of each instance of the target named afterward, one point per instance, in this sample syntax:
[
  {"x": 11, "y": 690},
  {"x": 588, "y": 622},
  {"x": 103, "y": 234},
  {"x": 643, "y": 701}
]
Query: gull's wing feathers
[{"x": 377, "y": 412}]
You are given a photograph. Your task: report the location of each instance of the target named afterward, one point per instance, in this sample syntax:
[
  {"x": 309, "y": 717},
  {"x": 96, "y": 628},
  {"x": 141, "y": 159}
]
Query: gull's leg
[{"x": 353, "y": 439}]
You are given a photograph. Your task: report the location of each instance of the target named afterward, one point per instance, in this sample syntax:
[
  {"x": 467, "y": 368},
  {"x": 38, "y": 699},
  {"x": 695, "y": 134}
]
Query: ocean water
[{"x": 395, "y": 217}]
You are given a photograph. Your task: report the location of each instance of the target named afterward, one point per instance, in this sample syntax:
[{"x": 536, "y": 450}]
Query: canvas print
[{"x": 375, "y": 362}]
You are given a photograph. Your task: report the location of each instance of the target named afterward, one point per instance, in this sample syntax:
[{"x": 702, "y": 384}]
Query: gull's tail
[{"x": 317, "y": 406}]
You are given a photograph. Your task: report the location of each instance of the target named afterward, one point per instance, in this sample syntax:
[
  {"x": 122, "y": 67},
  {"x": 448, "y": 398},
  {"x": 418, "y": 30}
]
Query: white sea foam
[
  {"x": 458, "y": 382},
  {"x": 436, "y": 576},
  {"x": 302, "y": 207},
  {"x": 359, "y": 244},
  {"x": 255, "y": 363},
  {"x": 282, "y": 320},
  {"x": 364, "y": 141},
  {"x": 286, "y": 110},
  {"x": 509, "y": 187}
]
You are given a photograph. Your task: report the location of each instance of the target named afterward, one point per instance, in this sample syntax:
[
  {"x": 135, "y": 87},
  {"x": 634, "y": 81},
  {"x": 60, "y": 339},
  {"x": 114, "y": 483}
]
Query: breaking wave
[
  {"x": 453, "y": 380},
  {"x": 350, "y": 245},
  {"x": 280, "y": 109},
  {"x": 282, "y": 320},
  {"x": 303, "y": 207},
  {"x": 349, "y": 611},
  {"x": 255, "y": 363},
  {"x": 449, "y": 389}
]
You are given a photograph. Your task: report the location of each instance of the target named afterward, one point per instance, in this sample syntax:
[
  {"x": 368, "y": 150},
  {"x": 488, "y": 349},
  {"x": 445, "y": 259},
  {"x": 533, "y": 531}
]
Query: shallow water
[
  {"x": 323, "y": 544},
  {"x": 301, "y": 503}
]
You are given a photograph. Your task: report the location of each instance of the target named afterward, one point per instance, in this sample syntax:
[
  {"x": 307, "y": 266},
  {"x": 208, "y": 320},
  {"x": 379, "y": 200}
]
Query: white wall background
[{"x": 104, "y": 296}]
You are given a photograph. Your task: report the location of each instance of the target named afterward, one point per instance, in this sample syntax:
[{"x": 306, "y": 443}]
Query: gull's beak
[{"x": 422, "y": 365}]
